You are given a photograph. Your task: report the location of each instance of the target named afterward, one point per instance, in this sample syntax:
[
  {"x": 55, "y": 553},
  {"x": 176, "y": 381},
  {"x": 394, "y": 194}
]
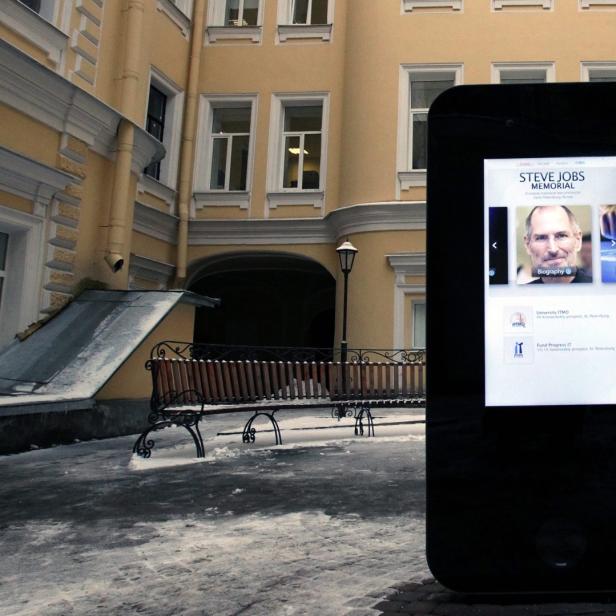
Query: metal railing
[{"x": 236, "y": 352}]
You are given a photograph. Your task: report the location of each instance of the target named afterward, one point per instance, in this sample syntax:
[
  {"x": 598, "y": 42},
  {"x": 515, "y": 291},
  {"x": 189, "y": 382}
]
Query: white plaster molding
[
  {"x": 34, "y": 28},
  {"x": 590, "y": 4},
  {"x": 221, "y": 198},
  {"x": 36, "y": 91},
  {"x": 321, "y": 32},
  {"x": 393, "y": 216},
  {"x": 236, "y": 34},
  {"x": 407, "y": 264},
  {"x": 409, "y": 5},
  {"x": 298, "y": 197},
  {"x": 602, "y": 70},
  {"x": 153, "y": 222},
  {"x": 416, "y": 177},
  {"x": 160, "y": 191},
  {"x": 498, "y": 5},
  {"x": 259, "y": 232},
  {"x": 389, "y": 216},
  {"x": 176, "y": 15},
  {"x": 27, "y": 178},
  {"x": 151, "y": 270}
]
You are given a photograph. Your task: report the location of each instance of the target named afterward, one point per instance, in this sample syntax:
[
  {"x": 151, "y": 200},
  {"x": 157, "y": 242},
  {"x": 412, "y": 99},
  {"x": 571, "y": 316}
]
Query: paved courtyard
[
  {"x": 314, "y": 526},
  {"x": 326, "y": 524}
]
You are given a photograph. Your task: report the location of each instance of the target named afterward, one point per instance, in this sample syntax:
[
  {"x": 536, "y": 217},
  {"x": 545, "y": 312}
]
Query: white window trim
[
  {"x": 409, "y": 5},
  {"x": 498, "y": 5},
  {"x": 37, "y": 29},
  {"x": 172, "y": 134},
  {"x": 293, "y": 196},
  {"x": 414, "y": 304},
  {"x": 204, "y": 195},
  {"x": 591, "y": 4},
  {"x": 179, "y": 12},
  {"x": 587, "y": 67},
  {"x": 287, "y": 30},
  {"x": 407, "y": 177},
  {"x": 548, "y": 67},
  {"x": 405, "y": 264},
  {"x": 26, "y": 309},
  {"x": 217, "y": 30}
]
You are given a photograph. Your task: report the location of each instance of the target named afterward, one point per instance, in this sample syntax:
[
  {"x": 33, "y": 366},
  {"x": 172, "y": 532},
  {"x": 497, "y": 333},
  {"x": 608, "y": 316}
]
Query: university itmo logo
[{"x": 518, "y": 320}]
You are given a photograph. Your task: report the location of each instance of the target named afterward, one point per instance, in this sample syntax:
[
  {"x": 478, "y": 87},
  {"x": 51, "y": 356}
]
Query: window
[
  {"x": 163, "y": 120},
  {"x": 529, "y": 4},
  {"x": 425, "y": 87},
  {"x": 155, "y": 124},
  {"x": 241, "y": 12},
  {"x": 4, "y": 247},
  {"x": 507, "y": 73},
  {"x": 419, "y": 87},
  {"x": 305, "y": 19},
  {"x": 225, "y": 151},
  {"x": 598, "y": 71},
  {"x": 230, "y": 147},
  {"x": 590, "y": 4},
  {"x": 301, "y": 146},
  {"x": 297, "y": 159},
  {"x": 419, "y": 325},
  {"x": 310, "y": 12},
  {"x": 234, "y": 20}
]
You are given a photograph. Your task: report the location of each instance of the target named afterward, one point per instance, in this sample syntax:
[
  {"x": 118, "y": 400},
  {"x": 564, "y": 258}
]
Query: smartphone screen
[{"x": 550, "y": 301}]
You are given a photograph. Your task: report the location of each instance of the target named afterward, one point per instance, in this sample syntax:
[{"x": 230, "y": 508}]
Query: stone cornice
[
  {"x": 33, "y": 89},
  {"x": 23, "y": 176},
  {"x": 149, "y": 269},
  {"x": 388, "y": 216},
  {"x": 153, "y": 222},
  {"x": 408, "y": 264},
  {"x": 364, "y": 218}
]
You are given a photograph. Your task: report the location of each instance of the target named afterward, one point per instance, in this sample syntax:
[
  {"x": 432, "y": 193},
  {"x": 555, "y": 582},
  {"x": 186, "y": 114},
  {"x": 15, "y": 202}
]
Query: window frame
[
  {"x": 521, "y": 67},
  {"x": 606, "y": 5},
  {"x": 586, "y": 68},
  {"x": 204, "y": 195},
  {"x": 287, "y": 30},
  {"x": 172, "y": 132},
  {"x": 415, "y": 303},
  {"x": 407, "y": 177},
  {"x": 277, "y": 195},
  {"x": 25, "y": 257},
  {"x": 218, "y": 30}
]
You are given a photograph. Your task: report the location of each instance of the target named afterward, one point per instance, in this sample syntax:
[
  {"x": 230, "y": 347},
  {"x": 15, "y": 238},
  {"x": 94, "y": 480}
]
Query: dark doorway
[{"x": 269, "y": 299}]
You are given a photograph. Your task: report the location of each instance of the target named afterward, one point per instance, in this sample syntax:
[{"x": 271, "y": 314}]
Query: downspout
[
  {"x": 129, "y": 79},
  {"x": 188, "y": 138}
]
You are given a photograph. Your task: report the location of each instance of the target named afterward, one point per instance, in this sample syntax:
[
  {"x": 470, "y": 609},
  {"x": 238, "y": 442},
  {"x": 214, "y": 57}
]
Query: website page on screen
[{"x": 550, "y": 281}]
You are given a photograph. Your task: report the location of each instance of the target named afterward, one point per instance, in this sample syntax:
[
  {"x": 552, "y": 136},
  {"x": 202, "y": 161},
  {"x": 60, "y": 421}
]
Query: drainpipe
[
  {"x": 129, "y": 80},
  {"x": 188, "y": 138}
]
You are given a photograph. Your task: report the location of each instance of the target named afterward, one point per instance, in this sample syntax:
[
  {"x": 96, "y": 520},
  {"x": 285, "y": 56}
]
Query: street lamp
[{"x": 346, "y": 253}]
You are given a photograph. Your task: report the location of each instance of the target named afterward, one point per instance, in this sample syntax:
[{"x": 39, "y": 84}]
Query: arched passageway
[{"x": 272, "y": 299}]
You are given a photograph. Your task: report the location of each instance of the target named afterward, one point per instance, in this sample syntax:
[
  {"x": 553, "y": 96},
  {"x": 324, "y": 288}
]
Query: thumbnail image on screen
[
  {"x": 554, "y": 244},
  {"x": 607, "y": 224}
]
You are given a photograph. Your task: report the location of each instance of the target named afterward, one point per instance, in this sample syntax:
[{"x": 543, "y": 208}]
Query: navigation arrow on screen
[
  {"x": 613, "y": 243},
  {"x": 496, "y": 247}
]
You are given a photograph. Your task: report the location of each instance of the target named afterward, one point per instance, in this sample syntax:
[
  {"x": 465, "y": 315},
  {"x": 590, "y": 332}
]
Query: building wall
[{"x": 74, "y": 91}]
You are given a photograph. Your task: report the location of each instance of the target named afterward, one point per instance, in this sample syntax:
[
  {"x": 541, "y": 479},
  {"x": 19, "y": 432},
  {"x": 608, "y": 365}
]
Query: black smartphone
[{"x": 521, "y": 338}]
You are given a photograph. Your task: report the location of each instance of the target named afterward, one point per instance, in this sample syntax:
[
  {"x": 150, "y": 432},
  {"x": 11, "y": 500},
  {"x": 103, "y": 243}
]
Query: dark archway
[{"x": 270, "y": 299}]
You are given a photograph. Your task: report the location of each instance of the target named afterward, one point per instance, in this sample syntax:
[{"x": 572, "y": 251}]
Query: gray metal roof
[{"x": 74, "y": 354}]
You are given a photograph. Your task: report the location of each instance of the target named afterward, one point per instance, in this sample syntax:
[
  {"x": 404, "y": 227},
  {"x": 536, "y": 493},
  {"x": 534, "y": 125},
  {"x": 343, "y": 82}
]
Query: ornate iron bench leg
[
  {"x": 249, "y": 433},
  {"x": 359, "y": 422},
  {"x": 143, "y": 445}
]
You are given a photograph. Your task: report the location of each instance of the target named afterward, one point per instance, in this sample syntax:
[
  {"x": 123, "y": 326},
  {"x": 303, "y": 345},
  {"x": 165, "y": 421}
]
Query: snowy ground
[{"x": 323, "y": 524}]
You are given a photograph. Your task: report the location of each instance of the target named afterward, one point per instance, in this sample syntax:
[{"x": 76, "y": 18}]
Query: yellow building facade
[{"x": 229, "y": 146}]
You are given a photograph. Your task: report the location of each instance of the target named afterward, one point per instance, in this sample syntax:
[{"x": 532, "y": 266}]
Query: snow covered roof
[{"x": 77, "y": 351}]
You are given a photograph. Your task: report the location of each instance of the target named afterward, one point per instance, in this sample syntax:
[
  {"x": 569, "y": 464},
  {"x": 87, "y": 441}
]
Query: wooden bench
[{"x": 186, "y": 390}]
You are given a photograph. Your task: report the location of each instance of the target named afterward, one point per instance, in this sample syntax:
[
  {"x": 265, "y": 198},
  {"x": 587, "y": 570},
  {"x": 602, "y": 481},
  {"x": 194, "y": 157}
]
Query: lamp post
[{"x": 346, "y": 253}]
